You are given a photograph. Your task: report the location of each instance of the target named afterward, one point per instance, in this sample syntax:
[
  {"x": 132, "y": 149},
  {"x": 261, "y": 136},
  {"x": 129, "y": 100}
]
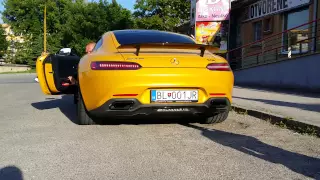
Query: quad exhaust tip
[
  {"x": 121, "y": 105},
  {"x": 219, "y": 103}
]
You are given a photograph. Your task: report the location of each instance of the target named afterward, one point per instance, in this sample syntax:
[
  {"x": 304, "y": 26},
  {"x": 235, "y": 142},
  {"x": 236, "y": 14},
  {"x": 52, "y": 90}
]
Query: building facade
[
  {"x": 278, "y": 27},
  {"x": 12, "y": 38}
]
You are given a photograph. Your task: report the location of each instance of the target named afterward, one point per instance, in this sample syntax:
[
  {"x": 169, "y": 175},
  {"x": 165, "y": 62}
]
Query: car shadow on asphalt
[
  {"x": 69, "y": 109},
  {"x": 11, "y": 173},
  {"x": 307, "y": 107},
  {"x": 299, "y": 163},
  {"x": 65, "y": 105}
]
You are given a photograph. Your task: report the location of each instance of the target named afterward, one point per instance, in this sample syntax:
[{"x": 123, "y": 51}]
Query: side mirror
[
  {"x": 67, "y": 52},
  {"x": 64, "y": 51}
]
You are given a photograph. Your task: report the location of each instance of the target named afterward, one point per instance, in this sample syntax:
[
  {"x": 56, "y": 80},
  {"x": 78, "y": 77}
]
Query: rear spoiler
[{"x": 201, "y": 47}]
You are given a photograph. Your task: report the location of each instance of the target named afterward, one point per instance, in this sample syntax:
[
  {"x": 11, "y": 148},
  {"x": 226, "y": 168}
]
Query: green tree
[
  {"x": 161, "y": 14},
  {"x": 69, "y": 23},
  {"x": 3, "y": 43},
  {"x": 88, "y": 21},
  {"x": 26, "y": 19}
]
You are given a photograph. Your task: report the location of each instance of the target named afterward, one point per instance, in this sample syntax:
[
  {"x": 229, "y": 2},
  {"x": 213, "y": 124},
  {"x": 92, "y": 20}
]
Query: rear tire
[
  {"x": 217, "y": 118},
  {"x": 83, "y": 117}
]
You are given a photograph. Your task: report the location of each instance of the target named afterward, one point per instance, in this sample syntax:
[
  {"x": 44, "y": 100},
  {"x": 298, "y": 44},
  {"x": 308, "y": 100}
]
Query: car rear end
[{"x": 158, "y": 81}]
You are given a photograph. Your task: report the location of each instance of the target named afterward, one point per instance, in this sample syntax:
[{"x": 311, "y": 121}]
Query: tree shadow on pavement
[
  {"x": 65, "y": 104},
  {"x": 307, "y": 107},
  {"x": 299, "y": 163},
  {"x": 11, "y": 173}
]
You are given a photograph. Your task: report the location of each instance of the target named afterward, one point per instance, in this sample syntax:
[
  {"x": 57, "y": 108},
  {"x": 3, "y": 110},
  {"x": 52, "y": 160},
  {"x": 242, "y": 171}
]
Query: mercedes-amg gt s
[{"x": 142, "y": 73}]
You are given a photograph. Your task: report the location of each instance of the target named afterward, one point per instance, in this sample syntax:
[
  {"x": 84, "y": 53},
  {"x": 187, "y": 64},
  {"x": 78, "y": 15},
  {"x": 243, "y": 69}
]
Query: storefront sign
[
  {"x": 266, "y": 7},
  {"x": 212, "y": 10},
  {"x": 213, "y": 33}
]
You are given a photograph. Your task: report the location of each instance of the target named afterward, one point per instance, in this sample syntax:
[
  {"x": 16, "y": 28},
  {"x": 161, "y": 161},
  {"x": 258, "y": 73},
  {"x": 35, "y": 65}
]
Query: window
[
  {"x": 267, "y": 25},
  {"x": 150, "y": 36},
  {"x": 98, "y": 45},
  {"x": 238, "y": 33},
  {"x": 295, "y": 37},
  {"x": 257, "y": 28}
]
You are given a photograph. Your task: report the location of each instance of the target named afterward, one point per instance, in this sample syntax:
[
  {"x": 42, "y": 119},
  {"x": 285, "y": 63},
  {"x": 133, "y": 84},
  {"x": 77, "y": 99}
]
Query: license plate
[{"x": 174, "y": 96}]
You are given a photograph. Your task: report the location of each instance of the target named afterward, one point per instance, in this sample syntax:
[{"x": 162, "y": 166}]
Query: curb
[{"x": 281, "y": 121}]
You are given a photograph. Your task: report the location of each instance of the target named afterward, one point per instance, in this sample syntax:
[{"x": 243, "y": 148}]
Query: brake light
[
  {"x": 219, "y": 67},
  {"x": 65, "y": 84},
  {"x": 217, "y": 94},
  {"x": 107, "y": 65},
  {"x": 125, "y": 94}
]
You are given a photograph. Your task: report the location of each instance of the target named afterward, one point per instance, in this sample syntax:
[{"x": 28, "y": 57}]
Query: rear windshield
[{"x": 150, "y": 36}]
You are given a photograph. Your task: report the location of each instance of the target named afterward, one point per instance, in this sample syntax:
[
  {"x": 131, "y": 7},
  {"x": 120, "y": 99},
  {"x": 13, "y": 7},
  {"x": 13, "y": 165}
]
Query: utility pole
[{"x": 45, "y": 28}]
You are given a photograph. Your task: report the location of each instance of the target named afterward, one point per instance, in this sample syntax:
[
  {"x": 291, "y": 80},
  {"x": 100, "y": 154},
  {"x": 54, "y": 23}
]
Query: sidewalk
[{"x": 304, "y": 108}]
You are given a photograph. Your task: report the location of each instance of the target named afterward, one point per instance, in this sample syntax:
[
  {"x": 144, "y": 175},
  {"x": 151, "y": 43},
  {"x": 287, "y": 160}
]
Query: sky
[
  {"x": 1, "y": 9},
  {"x": 124, "y": 3}
]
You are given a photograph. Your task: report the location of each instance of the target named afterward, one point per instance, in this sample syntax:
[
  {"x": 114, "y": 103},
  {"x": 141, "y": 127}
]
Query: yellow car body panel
[
  {"x": 45, "y": 82},
  {"x": 49, "y": 78}
]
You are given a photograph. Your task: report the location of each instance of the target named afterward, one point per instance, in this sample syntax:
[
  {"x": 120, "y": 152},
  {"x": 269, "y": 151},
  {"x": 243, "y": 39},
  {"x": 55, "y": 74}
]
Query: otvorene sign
[{"x": 267, "y": 7}]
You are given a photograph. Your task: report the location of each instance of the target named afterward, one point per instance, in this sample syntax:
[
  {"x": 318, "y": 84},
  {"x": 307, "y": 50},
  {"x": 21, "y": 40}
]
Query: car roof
[{"x": 143, "y": 31}]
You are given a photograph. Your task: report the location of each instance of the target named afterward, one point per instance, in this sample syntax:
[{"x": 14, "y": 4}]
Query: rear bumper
[
  {"x": 98, "y": 87},
  {"x": 117, "y": 108}
]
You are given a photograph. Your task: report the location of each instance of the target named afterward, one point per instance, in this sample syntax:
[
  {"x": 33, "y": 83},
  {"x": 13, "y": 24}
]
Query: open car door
[{"x": 53, "y": 71}]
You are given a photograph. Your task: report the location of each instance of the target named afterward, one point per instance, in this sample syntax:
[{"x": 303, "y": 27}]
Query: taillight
[
  {"x": 219, "y": 67},
  {"x": 108, "y": 65}
]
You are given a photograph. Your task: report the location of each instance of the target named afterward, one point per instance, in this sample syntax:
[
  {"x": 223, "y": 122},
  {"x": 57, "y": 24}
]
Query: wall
[
  {"x": 13, "y": 68},
  {"x": 299, "y": 73}
]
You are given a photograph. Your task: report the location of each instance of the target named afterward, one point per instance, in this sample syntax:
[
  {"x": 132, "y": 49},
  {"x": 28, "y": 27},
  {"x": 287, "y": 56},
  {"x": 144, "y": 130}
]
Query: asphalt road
[{"x": 38, "y": 140}]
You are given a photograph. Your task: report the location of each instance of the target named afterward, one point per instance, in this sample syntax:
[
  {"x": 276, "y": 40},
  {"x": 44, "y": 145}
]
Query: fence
[{"x": 295, "y": 42}]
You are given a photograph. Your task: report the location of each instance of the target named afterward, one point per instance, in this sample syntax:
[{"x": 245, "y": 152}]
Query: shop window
[
  {"x": 238, "y": 37},
  {"x": 267, "y": 25},
  {"x": 297, "y": 38},
  {"x": 257, "y": 28}
]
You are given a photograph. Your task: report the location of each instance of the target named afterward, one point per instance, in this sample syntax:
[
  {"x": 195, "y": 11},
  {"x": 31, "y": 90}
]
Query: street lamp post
[{"x": 45, "y": 29}]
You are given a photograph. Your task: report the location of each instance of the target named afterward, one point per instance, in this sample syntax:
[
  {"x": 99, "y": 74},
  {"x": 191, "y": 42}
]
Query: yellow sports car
[{"x": 133, "y": 73}]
